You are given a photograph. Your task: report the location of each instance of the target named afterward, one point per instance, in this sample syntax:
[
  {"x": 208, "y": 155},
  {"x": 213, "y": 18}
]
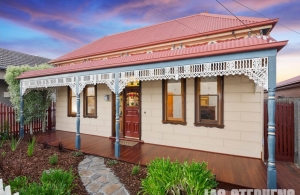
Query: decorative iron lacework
[
  {"x": 108, "y": 79},
  {"x": 256, "y": 69}
]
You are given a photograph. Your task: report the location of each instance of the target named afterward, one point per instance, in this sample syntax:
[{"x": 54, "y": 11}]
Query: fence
[
  {"x": 7, "y": 190},
  {"x": 8, "y": 114},
  {"x": 285, "y": 129}
]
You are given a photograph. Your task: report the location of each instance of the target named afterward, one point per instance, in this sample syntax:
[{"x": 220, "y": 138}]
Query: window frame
[
  {"x": 70, "y": 113},
  {"x": 165, "y": 119},
  {"x": 220, "y": 111},
  {"x": 85, "y": 114}
]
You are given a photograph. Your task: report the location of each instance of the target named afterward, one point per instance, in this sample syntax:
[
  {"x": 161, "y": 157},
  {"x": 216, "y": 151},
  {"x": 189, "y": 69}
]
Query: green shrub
[
  {"x": 45, "y": 189},
  {"x": 112, "y": 162},
  {"x": 166, "y": 177},
  {"x": 53, "y": 159},
  {"x": 14, "y": 143},
  {"x": 2, "y": 142},
  {"x": 18, "y": 183},
  {"x": 77, "y": 153},
  {"x": 135, "y": 170},
  {"x": 31, "y": 146},
  {"x": 58, "y": 177}
]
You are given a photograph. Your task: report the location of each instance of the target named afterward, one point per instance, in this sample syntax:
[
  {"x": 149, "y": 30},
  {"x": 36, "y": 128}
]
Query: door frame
[{"x": 113, "y": 114}]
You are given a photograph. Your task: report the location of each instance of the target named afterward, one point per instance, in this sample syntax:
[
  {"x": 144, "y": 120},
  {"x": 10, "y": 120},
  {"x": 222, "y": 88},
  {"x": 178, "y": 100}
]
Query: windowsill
[
  {"x": 174, "y": 122},
  {"x": 209, "y": 125},
  {"x": 87, "y": 116}
]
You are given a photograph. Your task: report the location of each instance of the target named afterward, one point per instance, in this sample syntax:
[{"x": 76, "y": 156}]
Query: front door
[{"x": 131, "y": 121}]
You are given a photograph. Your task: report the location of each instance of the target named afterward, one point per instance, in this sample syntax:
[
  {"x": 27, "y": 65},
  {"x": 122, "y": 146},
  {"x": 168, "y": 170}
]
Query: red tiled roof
[
  {"x": 186, "y": 27},
  {"x": 226, "y": 47},
  {"x": 288, "y": 82}
]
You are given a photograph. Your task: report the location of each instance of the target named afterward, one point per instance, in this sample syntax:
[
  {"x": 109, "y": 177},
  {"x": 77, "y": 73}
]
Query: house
[
  {"x": 14, "y": 58},
  {"x": 289, "y": 88},
  {"x": 195, "y": 82}
]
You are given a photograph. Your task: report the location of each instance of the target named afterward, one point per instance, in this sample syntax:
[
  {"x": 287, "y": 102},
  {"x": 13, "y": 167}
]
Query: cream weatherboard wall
[
  {"x": 95, "y": 126},
  {"x": 243, "y": 114}
]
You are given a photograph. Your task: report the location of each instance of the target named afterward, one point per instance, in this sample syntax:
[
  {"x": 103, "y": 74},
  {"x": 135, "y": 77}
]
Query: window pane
[
  {"x": 90, "y": 105},
  {"x": 209, "y": 107},
  {"x": 74, "y": 106},
  {"x": 174, "y": 107},
  {"x": 90, "y": 91},
  {"x": 209, "y": 85},
  {"x": 174, "y": 87},
  {"x": 132, "y": 99}
]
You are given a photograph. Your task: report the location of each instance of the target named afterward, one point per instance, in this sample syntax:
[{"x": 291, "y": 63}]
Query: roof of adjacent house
[
  {"x": 14, "y": 58},
  {"x": 224, "y": 47},
  {"x": 287, "y": 82},
  {"x": 182, "y": 28}
]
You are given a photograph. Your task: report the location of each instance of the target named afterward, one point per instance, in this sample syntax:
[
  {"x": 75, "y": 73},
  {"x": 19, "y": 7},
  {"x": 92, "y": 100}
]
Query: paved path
[{"x": 98, "y": 179}]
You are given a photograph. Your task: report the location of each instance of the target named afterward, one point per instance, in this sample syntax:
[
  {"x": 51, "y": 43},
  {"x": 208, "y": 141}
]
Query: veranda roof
[{"x": 221, "y": 48}]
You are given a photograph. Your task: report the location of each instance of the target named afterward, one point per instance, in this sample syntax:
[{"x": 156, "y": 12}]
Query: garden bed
[{"x": 32, "y": 167}]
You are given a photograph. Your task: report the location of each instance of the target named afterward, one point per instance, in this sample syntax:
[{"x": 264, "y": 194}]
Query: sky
[{"x": 50, "y": 29}]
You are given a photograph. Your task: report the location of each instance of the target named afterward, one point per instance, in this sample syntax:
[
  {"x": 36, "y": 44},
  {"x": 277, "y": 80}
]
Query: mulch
[{"x": 32, "y": 167}]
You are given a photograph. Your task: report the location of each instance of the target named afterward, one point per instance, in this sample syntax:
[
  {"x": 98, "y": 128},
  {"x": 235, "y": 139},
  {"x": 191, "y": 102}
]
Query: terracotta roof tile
[
  {"x": 162, "y": 32},
  {"x": 230, "y": 46}
]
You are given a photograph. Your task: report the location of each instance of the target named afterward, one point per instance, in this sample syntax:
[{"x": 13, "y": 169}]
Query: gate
[{"x": 284, "y": 124}]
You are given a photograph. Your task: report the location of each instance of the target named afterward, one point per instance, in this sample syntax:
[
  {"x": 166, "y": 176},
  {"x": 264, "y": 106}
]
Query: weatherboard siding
[
  {"x": 95, "y": 126},
  {"x": 242, "y": 134}
]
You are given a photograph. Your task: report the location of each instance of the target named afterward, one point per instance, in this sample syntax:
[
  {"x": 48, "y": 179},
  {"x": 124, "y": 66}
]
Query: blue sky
[{"x": 52, "y": 28}]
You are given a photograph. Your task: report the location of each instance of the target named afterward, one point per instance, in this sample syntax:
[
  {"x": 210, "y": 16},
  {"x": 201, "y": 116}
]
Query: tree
[{"x": 36, "y": 101}]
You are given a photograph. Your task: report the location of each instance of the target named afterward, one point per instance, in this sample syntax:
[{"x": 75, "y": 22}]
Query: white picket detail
[{"x": 7, "y": 190}]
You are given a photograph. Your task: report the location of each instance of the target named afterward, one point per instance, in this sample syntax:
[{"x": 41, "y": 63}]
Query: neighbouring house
[
  {"x": 14, "y": 58},
  {"x": 289, "y": 88},
  {"x": 195, "y": 82}
]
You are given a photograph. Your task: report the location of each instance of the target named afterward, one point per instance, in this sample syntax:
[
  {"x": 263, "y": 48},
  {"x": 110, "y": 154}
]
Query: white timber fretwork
[
  {"x": 44, "y": 83},
  {"x": 255, "y": 68}
]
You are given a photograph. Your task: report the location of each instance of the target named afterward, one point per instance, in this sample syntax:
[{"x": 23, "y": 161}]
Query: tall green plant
[
  {"x": 166, "y": 177},
  {"x": 31, "y": 146},
  {"x": 14, "y": 143},
  {"x": 36, "y": 102}
]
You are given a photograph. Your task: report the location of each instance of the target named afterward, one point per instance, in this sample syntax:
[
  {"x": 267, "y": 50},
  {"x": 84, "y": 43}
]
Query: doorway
[{"x": 130, "y": 118}]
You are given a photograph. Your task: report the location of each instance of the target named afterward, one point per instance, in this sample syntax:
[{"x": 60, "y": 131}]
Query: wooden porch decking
[{"x": 235, "y": 170}]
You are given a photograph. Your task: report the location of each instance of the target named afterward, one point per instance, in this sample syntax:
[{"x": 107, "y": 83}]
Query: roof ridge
[{"x": 256, "y": 19}]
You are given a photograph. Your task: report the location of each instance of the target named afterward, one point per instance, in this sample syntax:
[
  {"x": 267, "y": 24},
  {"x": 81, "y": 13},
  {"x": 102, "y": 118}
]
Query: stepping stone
[
  {"x": 84, "y": 166},
  {"x": 96, "y": 176},
  {"x": 121, "y": 191},
  {"x": 94, "y": 187},
  {"x": 86, "y": 181},
  {"x": 102, "y": 179},
  {"x": 97, "y": 168},
  {"x": 112, "y": 179},
  {"x": 111, "y": 188},
  {"x": 85, "y": 173}
]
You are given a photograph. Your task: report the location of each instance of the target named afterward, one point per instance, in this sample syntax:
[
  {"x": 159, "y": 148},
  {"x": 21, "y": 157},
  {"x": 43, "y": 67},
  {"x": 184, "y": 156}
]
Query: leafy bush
[
  {"x": 166, "y": 177},
  {"x": 135, "y": 170},
  {"x": 14, "y": 143},
  {"x": 2, "y": 142},
  {"x": 31, "y": 146},
  {"x": 18, "y": 183},
  {"x": 56, "y": 182},
  {"x": 58, "y": 177},
  {"x": 53, "y": 159},
  {"x": 77, "y": 153},
  {"x": 1, "y": 159}
]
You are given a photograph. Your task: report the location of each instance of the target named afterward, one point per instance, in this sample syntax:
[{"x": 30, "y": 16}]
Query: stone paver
[{"x": 98, "y": 179}]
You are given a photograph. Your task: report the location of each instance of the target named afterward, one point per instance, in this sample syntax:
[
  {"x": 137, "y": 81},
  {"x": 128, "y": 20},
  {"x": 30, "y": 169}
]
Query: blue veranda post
[
  {"x": 78, "y": 140},
  {"x": 271, "y": 172},
  {"x": 117, "y": 143}
]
